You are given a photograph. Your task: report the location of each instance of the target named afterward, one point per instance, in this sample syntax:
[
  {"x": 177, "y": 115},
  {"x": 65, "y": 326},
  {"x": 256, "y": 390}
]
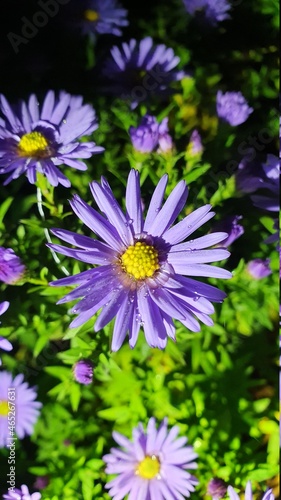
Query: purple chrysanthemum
[
  {"x": 217, "y": 488},
  {"x": 39, "y": 140},
  {"x": 230, "y": 226},
  {"x": 152, "y": 465},
  {"x": 233, "y": 107},
  {"x": 83, "y": 371},
  {"x": 139, "y": 70},
  {"x": 259, "y": 268},
  {"x": 4, "y": 343},
  {"x": 22, "y": 494},
  {"x": 11, "y": 267},
  {"x": 143, "y": 264},
  {"x": 16, "y": 396},
  {"x": 212, "y": 10},
  {"x": 248, "y": 493}
]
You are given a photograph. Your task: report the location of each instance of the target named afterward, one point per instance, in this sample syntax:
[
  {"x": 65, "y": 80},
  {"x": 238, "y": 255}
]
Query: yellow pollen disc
[
  {"x": 33, "y": 144},
  {"x": 149, "y": 467},
  {"x": 91, "y": 15},
  {"x": 4, "y": 409},
  {"x": 140, "y": 261}
]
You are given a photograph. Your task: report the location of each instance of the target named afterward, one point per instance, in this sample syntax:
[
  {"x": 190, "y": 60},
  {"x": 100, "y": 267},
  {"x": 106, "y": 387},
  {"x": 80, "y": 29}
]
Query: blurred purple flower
[
  {"x": 248, "y": 493},
  {"x": 4, "y": 343},
  {"x": 152, "y": 465},
  {"x": 83, "y": 371},
  {"x": 145, "y": 137},
  {"x": 22, "y": 494},
  {"x": 34, "y": 140},
  {"x": 212, "y": 10},
  {"x": 103, "y": 16},
  {"x": 25, "y": 407},
  {"x": 253, "y": 176},
  {"x": 139, "y": 70},
  {"x": 230, "y": 226},
  {"x": 41, "y": 482},
  {"x": 233, "y": 107},
  {"x": 217, "y": 488},
  {"x": 11, "y": 267},
  {"x": 143, "y": 264},
  {"x": 165, "y": 140},
  {"x": 259, "y": 268}
]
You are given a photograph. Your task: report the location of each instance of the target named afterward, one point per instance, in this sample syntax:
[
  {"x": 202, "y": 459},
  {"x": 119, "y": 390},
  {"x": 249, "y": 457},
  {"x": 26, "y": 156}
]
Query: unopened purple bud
[
  {"x": 11, "y": 267},
  {"x": 165, "y": 140},
  {"x": 259, "y": 268},
  {"x": 217, "y": 488},
  {"x": 195, "y": 143},
  {"x": 83, "y": 371}
]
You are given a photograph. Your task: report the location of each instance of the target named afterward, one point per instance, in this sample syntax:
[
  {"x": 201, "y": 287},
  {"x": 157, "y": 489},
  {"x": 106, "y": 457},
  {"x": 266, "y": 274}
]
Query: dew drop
[{"x": 196, "y": 299}]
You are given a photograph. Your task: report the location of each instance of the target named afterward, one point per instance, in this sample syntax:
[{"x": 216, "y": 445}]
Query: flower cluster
[
  {"x": 34, "y": 140},
  {"x": 149, "y": 134},
  {"x": 142, "y": 264}
]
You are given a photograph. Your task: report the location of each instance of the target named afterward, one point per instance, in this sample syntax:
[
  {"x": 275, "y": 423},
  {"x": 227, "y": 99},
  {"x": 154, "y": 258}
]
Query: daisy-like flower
[
  {"x": 152, "y": 465},
  {"x": 4, "y": 343},
  {"x": 11, "y": 267},
  {"x": 139, "y": 70},
  {"x": 22, "y": 494},
  {"x": 16, "y": 395},
  {"x": 233, "y": 108},
  {"x": 248, "y": 493},
  {"x": 39, "y": 140},
  {"x": 142, "y": 264},
  {"x": 213, "y": 10},
  {"x": 103, "y": 16}
]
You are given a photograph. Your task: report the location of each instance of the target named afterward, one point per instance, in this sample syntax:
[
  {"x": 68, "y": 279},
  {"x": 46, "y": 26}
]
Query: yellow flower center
[
  {"x": 140, "y": 261},
  {"x": 91, "y": 15},
  {"x": 149, "y": 467},
  {"x": 4, "y": 409},
  {"x": 33, "y": 144}
]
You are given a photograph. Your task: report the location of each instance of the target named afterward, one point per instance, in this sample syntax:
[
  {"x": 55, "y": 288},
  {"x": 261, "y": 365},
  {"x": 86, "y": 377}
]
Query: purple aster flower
[
  {"x": 248, "y": 493},
  {"x": 142, "y": 264},
  {"x": 22, "y": 494},
  {"x": 230, "y": 226},
  {"x": 145, "y": 137},
  {"x": 98, "y": 17},
  {"x": 195, "y": 145},
  {"x": 139, "y": 70},
  {"x": 83, "y": 371},
  {"x": 16, "y": 395},
  {"x": 4, "y": 343},
  {"x": 11, "y": 267},
  {"x": 259, "y": 268},
  {"x": 217, "y": 488},
  {"x": 151, "y": 466},
  {"x": 165, "y": 140},
  {"x": 39, "y": 140},
  {"x": 233, "y": 107},
  {"x": 212, "y": 10}
]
